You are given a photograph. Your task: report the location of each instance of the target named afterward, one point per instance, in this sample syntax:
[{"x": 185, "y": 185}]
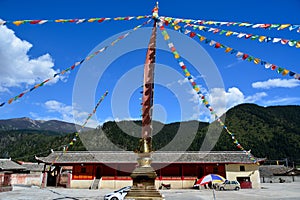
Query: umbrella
[{"x": 214, "y": 178}]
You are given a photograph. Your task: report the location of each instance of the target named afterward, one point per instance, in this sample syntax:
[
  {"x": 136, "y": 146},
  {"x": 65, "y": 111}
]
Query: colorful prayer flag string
[
  {"x": 290, "y": 27},
  {"x": 75, "y": 65},
  {"x": 75, "y": 21},
  {"x": 240, "y": 35},
  {"x": 198, "y": 91},
  {"x": 239, "y": 54},
  {"x": 71, "y": 143},
  {"x": 86, "y": 121}
]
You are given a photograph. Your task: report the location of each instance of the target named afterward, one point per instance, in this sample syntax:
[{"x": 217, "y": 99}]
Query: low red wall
[{"x": 246, "y": 185}]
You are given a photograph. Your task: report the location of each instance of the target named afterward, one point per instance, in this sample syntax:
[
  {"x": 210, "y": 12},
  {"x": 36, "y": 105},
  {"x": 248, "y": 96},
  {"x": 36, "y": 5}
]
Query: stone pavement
[{"x": 290, "y": 191}]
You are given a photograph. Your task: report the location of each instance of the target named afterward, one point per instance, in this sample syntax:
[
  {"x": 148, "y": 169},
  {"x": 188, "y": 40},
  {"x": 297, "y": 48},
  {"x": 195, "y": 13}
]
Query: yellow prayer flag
[
  {"x": 92, "y": 20},
  {"x": 10, "y": 100},
  {"x": 243, "y": 24},
  {"x": 285, "y": 72},
  {"x": 256, "y": 60},
  {"x": 18, "y": 23},
  {"x": 166, "y": 37},
  {"x": 201, "y": 28},
  {"x": 176, "y": 56},
  {"x": 228, "y": 49},
  {"x": 187, "y": 74},
  {"x": 261, "y": 38},
  {"x": 298, "y": 44},
  {"x": 283, "y": 26},
  {"x": 229, "y": 33},
  {"x": 202, "y": 38},
  {"x": 196, "y": 89},
  {"x": 59, "y": 20},
  {"x": 176, "y": 27}
]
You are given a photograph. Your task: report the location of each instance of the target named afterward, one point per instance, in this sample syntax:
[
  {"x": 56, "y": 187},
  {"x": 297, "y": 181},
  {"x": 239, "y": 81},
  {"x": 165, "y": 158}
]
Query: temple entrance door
[
  {"x": 98, "y": 172},
  {"x": 51, "y": 179},
  {"x": 200, "y": 172}
]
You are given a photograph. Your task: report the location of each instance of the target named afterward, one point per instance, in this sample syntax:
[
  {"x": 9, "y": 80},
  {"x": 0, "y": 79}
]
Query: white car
[
  {"x": 118, "y": 194},
  {"x": 229, "y": 185}
]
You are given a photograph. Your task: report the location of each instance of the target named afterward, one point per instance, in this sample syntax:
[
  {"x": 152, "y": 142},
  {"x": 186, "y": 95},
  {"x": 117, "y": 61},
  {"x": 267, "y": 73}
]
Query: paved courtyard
[{"x": 278, "y": 191}]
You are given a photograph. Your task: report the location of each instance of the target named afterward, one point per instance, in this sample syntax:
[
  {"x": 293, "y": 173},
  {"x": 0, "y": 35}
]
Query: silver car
[{"x": 229, "y": 185}]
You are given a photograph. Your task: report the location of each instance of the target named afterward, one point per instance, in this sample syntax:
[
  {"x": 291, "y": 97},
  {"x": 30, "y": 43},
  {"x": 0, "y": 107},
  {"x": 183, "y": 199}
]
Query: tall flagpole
[
  {"x": 144, "y": 175},
  {"x": 147, "y": 101}
]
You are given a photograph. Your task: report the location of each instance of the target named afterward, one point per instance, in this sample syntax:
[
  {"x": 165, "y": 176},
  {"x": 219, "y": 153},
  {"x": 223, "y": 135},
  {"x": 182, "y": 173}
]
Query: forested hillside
[{"x": 271, "y": 132}]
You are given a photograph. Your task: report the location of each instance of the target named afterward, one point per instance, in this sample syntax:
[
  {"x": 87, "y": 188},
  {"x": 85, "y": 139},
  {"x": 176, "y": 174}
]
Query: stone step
[{"x": 95, "y": 184}]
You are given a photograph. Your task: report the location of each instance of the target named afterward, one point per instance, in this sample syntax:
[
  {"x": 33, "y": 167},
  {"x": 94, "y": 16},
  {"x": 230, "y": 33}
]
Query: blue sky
[{"x": 32, "y": 53}]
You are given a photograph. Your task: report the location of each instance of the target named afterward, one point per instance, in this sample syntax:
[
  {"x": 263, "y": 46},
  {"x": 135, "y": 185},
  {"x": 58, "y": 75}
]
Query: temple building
[{"x": 107, "y": 169}]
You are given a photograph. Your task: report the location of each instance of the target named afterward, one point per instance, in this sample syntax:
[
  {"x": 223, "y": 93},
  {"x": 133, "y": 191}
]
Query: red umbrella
[{"x": 214, "y": 178}]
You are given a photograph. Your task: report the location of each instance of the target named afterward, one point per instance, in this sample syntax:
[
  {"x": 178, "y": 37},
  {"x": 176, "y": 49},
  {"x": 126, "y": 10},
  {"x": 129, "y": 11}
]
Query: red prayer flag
[
  {"x": 35, "y": 21},
  {"x": 265, "y": 25},
  {"x": 192, "y": 34},
  {"x": 248, "y": 36},
  {"x": 101, "y": 20},
  {"x": 245, "y": 56},
  {"x": 218, "y": 45},
  {"x": 284, "y": 41}
]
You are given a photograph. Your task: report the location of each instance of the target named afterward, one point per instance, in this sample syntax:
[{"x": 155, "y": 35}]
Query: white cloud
[
  {"x": 66, "y": 113},
  {"x": 186, "y": 80},
  {"x": 256, "y": 97},
  {"x": 221, "y": 100},
  {"x": 239, "y": 60},
  {"x": 274, "y": 83},
  {"x": 182, "y": 81},
  {"x": 16, "y": 66},
  {"x": 282, "y": 101}
]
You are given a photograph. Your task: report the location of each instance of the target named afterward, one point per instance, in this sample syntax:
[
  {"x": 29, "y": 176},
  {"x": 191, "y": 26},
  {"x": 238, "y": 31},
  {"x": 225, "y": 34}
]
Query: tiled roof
[
  {"x": 8, "y": 164},
  {"x": 271, "y": 170},
  {"x": 158, "y": 157},
  {"x": 33, "y": 167}
]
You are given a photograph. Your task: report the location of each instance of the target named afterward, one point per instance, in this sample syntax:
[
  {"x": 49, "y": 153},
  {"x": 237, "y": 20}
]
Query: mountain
[
  {"x": 272, "y": 132},
  {"x": 29, "y": 124}
]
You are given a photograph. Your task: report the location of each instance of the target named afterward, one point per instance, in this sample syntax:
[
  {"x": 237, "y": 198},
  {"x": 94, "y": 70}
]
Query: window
[
  {"x": 83, "y": 170},
  {"x": 242, "y": 168},
  {"x": 215, "y": 170}
]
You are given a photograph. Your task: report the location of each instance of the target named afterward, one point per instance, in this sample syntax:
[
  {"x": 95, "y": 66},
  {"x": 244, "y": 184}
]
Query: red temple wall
[{"x": 173, "y": 171}]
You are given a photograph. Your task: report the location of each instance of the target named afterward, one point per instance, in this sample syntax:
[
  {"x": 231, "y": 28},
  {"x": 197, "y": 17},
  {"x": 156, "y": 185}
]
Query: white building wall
[
  {"x": 81, "y": 184},
  {"x": 251, "y": 170}
]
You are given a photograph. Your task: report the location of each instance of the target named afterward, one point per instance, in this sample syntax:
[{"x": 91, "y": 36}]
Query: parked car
[
  {"x": 228, "y": 185},
  {"x": 118, "y": 194}
]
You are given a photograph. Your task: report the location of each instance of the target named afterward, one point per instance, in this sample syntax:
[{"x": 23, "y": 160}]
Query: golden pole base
[{"x": 143, "y": 177}]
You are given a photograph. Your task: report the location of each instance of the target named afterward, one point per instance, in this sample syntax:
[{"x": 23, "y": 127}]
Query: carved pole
[
  {"x": 143, "y": 177},
  {"x": 148, "y": 89}
]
